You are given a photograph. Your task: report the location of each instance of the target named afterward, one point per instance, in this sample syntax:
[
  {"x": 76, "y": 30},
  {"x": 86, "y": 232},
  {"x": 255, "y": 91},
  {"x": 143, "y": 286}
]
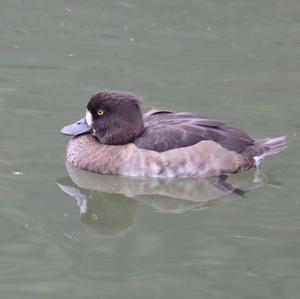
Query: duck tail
[{"x": 270, "y": 146}]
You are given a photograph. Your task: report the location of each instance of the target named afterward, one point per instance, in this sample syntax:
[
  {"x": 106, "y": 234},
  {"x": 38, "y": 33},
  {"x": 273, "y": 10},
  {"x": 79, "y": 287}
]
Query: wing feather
[{"x": 165, "y": 130}]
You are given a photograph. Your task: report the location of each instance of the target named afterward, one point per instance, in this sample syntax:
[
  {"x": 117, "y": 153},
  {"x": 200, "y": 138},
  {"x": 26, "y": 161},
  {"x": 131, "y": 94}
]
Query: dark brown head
[{"x": 115, "y": 117}]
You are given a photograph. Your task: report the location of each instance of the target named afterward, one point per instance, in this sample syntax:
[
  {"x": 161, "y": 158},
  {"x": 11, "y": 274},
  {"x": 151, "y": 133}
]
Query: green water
[{"x": 235, "y": 60}]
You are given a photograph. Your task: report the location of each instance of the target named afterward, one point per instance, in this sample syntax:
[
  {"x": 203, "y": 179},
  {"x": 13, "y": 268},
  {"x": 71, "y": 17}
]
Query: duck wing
[{"x": 166, "y": 130}]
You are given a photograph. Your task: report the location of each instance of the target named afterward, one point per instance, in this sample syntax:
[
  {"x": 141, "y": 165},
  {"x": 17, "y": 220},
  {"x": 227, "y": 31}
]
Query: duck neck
[{"x": 121, "y": 134}]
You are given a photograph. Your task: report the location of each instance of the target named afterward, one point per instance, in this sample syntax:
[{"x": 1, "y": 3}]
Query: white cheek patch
[{"x": 88, "y": 118}]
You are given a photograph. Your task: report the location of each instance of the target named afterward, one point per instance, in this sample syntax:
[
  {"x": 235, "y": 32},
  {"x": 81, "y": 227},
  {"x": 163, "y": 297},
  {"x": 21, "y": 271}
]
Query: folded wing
[{"x": 166, "y": 130}]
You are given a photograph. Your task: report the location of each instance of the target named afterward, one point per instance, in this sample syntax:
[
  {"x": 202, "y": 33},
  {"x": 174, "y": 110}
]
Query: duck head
[{"x": 113, "y": 117}]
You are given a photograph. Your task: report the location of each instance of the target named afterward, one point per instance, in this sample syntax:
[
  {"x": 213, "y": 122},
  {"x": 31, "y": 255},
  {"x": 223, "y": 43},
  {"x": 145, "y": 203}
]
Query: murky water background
[{"x": 236, "y": 60}]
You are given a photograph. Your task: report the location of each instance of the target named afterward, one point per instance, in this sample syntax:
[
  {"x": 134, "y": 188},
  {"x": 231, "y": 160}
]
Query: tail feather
[{"x": 270, "y": 146}]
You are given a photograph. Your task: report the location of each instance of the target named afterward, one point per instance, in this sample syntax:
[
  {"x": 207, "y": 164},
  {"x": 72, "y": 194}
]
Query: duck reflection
[
  {"x": 109, "y": 204},
  {"x": 104, "y": 213}
]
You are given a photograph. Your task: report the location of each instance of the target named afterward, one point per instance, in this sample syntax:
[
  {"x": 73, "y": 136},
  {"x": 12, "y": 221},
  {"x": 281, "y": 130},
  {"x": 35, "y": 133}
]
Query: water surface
[{"x": 235, "y": 60}]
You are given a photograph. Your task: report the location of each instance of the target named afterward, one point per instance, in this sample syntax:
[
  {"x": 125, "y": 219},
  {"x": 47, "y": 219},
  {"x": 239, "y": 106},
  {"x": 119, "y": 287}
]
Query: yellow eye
[{"x": 100, "y": 112}]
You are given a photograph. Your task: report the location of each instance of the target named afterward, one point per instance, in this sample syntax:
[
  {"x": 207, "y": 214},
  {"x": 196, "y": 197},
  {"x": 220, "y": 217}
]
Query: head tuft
[{"x": 106, "y": 99}]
